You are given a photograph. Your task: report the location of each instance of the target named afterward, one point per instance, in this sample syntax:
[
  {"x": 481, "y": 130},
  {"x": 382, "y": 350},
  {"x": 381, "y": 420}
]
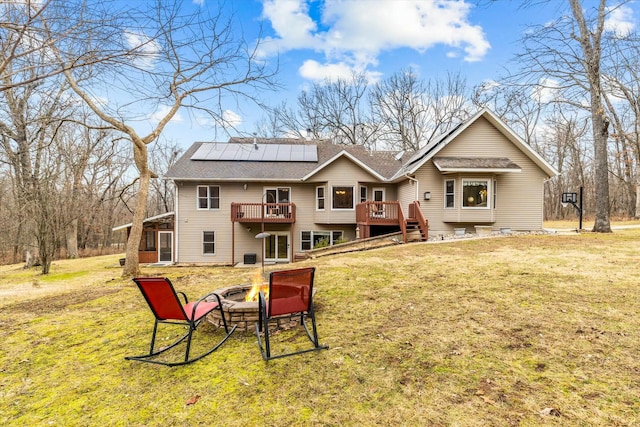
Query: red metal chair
[
  {"x": 167, "y": 308},
  {"x": 290, "y": 293}
]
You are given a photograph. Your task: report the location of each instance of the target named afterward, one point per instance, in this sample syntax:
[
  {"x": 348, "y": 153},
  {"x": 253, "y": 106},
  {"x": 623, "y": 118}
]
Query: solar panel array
[{"x": 257, "y": 152}]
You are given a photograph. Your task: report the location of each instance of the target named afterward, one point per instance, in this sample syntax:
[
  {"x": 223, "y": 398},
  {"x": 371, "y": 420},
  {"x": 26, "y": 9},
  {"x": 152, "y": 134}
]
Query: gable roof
[
  {"x": 242, "y": 162},
  {"x": 432, "y": 148},
  {"x": 296, "y": 160}
]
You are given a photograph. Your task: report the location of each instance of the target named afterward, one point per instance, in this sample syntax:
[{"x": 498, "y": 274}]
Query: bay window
[{"x": 475, "y": 193}]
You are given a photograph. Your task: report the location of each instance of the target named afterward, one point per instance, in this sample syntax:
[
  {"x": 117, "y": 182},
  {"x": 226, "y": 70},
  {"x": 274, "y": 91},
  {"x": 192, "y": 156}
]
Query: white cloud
[
  {"x": 313, "y": 70},
  {"x": 231, "y": 119},
  {"x": 547, "y": 90},
  {"x": 146, "y": 50},
  {"x": 198, "y": 2},
  {"x": 354, "y": 33},
  {"x": 161, "y": 113},
  {"x": 489, "y": 85},
  {"x": 619, "y": 20}
]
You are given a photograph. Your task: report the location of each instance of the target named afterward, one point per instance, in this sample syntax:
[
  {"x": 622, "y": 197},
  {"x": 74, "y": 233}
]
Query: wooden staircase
[{"x": 415, "y": 221}]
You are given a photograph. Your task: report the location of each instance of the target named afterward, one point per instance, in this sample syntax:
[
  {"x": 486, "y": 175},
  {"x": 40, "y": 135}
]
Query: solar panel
[{"x": 256, "y": 152}]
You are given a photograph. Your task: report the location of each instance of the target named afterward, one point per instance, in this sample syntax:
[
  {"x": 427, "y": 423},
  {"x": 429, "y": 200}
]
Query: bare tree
[
  {"x": 338, "y": 110},
  {"x": 411, "y": 112},
  {"x": 566, "y": 145},
  {"x": 590, "y": 36},
  {"x": 36, "y": 28},
  {"x": 163, "y": 155},
  {"x": 520, "y": 107},
  {"x": 564, "y": 58},
  {"x": 621, "y": 80},
  {"x": 87, "y": 154},
  {"x": 31, "y": 114},
  {"x": 166, "y": 58}
]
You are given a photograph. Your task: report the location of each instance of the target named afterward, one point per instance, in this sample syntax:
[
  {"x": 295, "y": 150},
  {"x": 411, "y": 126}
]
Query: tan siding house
[{"x": 299, "y": 194}]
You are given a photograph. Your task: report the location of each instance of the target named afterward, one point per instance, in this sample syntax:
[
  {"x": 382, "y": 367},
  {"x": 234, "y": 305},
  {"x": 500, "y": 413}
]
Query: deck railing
[
  {"x": 264, "y": 212},
  {"x": 378, "y": 213}
]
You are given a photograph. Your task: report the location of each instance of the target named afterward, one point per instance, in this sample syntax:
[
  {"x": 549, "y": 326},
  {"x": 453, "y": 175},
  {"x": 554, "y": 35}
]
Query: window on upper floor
[
  {"x": 208, "y": 197},
  {"x": 450, "y": 193},
  {"x": 363, "y": 194},
  {"x": 342, "y": 198},
  {"x": 475, "y": 193},
  {"x": 320, "y": 198},
  {"x": 277, "y": 195}
]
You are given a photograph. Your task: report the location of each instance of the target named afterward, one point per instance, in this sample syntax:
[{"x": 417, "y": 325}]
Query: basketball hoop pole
[{"x": 570, "y": 199}]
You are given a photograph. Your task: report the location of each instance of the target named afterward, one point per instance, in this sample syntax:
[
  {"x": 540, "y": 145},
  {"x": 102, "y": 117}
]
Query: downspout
[{"x": 176, "y": 224}]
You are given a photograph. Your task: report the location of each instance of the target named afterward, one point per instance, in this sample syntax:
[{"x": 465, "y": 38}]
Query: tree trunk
[
  {"x": 132, "y": 266},
  {"x": 72, "y": 239},
  {"x": 590, "y": 39},
  {"x": 600, "y": 135},
  {"x": 637, "y": 199}
]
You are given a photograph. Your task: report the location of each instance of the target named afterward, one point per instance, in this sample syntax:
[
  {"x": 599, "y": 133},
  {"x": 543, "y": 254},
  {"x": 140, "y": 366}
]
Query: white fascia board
[
  {"x": 238, "y": 179},
  {"x": 483, "y": 170},
  {"x": 504, "y": 129},
  {"x": 350, "y": 157},
  {"x": 151, "y": 218}
]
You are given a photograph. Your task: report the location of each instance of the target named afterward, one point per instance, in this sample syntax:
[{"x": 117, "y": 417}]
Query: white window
[
  {"x": 208, "y": 197},
  {"x": 363, "y": 194},
  {"x": 317, "y": 239},
  {"x": 320, "y": 198},
  {"x": 449, "y": 193},
  {"x": 495, "y": 192},
  {"x": 208, "y": 242},
  {"x": 277, "y": 195},
  {"x": 342, "y": 198},
  {"x": 475, "y": 193}
]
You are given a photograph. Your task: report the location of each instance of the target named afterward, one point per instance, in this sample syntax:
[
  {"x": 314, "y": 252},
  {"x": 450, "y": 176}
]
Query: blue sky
[{"x": 318, "y": 39}]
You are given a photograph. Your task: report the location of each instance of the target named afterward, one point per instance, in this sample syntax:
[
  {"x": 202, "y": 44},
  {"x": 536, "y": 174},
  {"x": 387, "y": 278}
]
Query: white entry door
[
  {"x": 276, "y": 247},
  {"x": 165, "y": 247}
]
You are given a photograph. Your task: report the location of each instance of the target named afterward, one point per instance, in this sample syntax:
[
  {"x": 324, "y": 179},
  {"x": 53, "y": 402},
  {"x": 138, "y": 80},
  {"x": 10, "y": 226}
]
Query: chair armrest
[
  {"x": 204, "y": 298},
  {"x": 186, "y": 300}
]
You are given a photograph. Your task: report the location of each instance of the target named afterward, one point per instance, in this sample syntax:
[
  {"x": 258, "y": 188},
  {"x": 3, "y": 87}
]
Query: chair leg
[
  {"x": 267, "y": 344},
  {"x": 312, "y": 335},
  {"x": 153, "y": 336},
  {"x": 188, "y": 336},
  {"x": 263, "y": 325},
  {"x": 152, "y": 353},
  {"x": 186, "y": 353}
]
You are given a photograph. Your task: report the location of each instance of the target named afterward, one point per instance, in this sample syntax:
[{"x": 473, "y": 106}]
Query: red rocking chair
[
  {"x": 290, "y": 293},
  {"x": 167, "y": 308}
]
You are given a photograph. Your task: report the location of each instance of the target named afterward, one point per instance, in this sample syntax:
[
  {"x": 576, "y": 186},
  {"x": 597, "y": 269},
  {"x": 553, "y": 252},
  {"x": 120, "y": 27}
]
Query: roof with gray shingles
[
  {"x": 382, "y": 163},
  {"x": 466, "y": 163}
]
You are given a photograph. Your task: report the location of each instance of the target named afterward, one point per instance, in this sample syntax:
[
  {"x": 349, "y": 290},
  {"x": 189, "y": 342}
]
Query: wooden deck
[
  {"x": 370, "y": 214},
  {"x": 274, "y": 213}
]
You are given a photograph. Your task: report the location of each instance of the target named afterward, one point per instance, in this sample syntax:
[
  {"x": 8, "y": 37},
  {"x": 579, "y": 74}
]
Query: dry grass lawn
[{"x": 520, "y": 330}]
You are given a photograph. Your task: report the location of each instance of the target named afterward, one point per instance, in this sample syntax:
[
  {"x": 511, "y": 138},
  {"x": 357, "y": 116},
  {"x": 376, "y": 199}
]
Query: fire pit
[{"x": 243, "y": 313}]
